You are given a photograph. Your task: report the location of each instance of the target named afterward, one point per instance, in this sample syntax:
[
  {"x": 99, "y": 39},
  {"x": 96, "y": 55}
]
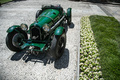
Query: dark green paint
[
  {"x": 50, "y": 17},
  {"x": 69, "y": 12},
  {"x": 46, "y": 17},
  {"x": 12, "y": 28},
  {"x": 40, "y": 45},
  {"x": 59, "y": 30}
]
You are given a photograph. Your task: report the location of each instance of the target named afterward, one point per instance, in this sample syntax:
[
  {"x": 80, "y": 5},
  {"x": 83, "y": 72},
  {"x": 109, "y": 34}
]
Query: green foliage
[
  {"x": 4, "y": 1},
  {"x": 107, "y": 36}
]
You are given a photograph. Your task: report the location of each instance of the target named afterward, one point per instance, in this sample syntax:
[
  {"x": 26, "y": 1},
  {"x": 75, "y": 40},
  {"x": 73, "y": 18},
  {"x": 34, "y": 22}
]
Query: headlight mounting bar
[{"x": 58, "y": 22}]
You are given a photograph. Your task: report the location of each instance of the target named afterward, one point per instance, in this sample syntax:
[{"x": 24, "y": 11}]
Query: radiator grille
[{"x": 35, "y": 33}]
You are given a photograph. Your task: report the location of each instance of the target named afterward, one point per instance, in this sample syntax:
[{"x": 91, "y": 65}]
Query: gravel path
[{"x": 20, "y": 66}]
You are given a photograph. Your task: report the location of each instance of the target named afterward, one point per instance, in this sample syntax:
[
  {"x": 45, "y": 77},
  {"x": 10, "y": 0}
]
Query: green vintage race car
[{"x": 46, "y": 34}]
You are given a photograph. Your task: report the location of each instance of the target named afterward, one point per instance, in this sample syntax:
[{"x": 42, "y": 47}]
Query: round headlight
[
  {"x": 46, "y": 28},
  {"x": 24, "y": 27}
]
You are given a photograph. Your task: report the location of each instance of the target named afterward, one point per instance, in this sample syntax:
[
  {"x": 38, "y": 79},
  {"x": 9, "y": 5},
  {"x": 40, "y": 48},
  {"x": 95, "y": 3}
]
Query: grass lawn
[
  {"x": 106, "y": 32},
  {"x": 100, "y": 48},
  {"x": 4, "y": 1}
]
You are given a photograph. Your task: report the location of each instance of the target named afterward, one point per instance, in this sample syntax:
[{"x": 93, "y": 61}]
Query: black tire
[
  {"x": 38, "y": 13},
  {"x": 58, "y": 46},
  {"x": 10, "y": 40}
]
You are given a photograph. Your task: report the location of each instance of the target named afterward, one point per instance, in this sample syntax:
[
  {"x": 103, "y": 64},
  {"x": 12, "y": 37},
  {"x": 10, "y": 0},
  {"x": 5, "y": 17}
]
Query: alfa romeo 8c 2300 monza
[{"x": 46, "y": 34}]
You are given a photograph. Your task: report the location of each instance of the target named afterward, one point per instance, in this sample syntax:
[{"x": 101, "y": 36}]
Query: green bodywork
[
  {"x": 50, "y": 17},
  {"x": 59, "y": 30},
  {"x": 12, "y": 28},
  {"x": 69, "y": 12},
  {"x": 46, "y": 17},
  {"x": 40, "y": 45}
]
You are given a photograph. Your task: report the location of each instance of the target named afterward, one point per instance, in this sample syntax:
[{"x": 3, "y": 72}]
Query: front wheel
[
  {"x": 58, "y": 46},
  {"x": 14, "y": 40}
]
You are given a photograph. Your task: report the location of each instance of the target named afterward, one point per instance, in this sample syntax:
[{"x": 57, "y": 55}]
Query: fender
[
  {"x": 59, "y": 30},
  {"x": 12, "y": 28},
  {"x": 69, "y": 12}
]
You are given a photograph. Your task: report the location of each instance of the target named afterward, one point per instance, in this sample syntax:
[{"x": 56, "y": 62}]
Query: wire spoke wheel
[
  {"x": 18, "y": 39},
  {"x": 14, "y": 40},
  {"x": 58, "y": 46}
]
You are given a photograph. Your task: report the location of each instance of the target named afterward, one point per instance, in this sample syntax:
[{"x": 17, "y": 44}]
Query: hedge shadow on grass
[{"x": 106, "y": 32}]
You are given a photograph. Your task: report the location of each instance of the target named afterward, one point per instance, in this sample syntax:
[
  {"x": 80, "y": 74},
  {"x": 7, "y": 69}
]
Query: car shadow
[
  {"x": 63, "y": 62},
  {"x": 18, "y": 55},
  {"x": 44, "y": 58}
]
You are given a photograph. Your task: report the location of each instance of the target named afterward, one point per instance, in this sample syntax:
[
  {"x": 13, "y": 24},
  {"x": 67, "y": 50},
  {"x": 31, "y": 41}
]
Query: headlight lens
[
  {"x": 24, "y": 27},
  {"x": 46, "y": 28}
]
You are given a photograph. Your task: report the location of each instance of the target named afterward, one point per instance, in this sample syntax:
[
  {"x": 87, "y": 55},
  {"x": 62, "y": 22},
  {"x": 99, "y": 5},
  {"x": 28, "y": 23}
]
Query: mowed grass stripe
[
  {"x": 106, "y": 32},
  {"x": 4, "y": 1}
]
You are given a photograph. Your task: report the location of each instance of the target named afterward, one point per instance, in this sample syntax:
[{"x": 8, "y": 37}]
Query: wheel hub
[{"x": 17, "y": 39}]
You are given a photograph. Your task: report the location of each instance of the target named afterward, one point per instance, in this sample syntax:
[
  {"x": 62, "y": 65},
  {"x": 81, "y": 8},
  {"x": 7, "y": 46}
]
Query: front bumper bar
[{"x": 40, "y": 45}]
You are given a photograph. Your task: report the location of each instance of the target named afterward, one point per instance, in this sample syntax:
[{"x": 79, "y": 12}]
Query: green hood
[{"x": 46, "y": 17}]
